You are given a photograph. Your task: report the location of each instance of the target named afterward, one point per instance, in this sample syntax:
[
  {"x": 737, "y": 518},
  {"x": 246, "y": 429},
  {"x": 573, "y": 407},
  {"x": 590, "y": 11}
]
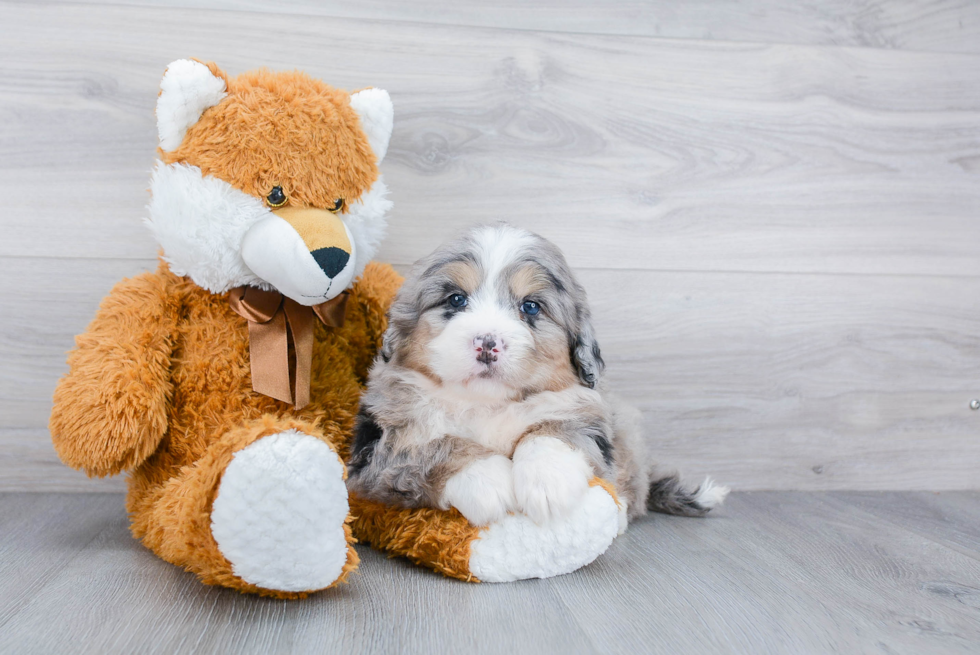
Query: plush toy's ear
[
  {"x": 374, "y": 108},
  {"x": 187, "y": 89}
]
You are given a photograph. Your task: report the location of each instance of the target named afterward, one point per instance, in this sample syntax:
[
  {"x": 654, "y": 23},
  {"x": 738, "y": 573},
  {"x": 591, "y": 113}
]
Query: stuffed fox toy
[{"x": 227, "y": 381}]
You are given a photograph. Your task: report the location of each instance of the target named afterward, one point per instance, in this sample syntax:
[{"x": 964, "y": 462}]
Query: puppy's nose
[{"x": 487, "y": 348}]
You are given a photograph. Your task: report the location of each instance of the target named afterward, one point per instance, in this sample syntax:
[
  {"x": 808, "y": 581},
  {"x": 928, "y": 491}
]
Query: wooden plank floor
[{"x": 773, "y": 572}]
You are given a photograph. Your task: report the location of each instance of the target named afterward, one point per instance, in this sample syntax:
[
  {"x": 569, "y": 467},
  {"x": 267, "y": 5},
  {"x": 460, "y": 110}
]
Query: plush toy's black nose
[{"x": 331, "y": 260}]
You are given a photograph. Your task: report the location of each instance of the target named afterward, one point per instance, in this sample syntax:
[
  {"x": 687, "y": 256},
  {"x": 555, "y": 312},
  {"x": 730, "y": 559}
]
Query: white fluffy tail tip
[{"x": 711, "y": 495}]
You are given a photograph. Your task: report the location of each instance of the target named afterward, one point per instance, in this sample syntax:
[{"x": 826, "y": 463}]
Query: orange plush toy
[{"x": 227, "y": 382}]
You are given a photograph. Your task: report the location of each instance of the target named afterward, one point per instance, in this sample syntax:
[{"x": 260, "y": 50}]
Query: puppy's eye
[
  {"x": 276, "y": 197},
  {"x": 337, "y": 206},
  {"x": 457, "y": 300},
  {"x": 530, "y": 308}
]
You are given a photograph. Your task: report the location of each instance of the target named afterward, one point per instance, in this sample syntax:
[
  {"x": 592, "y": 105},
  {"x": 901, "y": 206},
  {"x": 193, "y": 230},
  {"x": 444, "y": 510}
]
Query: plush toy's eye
[
  {"x": 457, "y": 300},
  {"x": 530, "y": 308},
  {"x": 276, "y": 197},
  {"x": 337, "y": 206}
]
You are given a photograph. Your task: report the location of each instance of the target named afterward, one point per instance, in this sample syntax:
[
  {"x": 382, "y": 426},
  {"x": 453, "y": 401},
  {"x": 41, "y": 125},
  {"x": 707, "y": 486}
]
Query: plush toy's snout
[
  {"x": 324, "y": 235},
  {"x": 307, "y": 254}
]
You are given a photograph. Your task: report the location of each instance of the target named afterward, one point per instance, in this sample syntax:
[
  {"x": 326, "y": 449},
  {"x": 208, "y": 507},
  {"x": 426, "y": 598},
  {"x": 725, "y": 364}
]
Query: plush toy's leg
[
  {"x": 265, "y": 510},
  {"x": 514, "y": 548}
]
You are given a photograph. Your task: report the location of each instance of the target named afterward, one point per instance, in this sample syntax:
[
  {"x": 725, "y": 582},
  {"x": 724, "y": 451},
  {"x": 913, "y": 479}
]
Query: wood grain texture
[
  {"x": 28, "y": 462},
  {"x": 928, "y": 515},
  {"x": 781, "y": 573},
  {"x": 771, "y": 573},
  {"x": 780, "y": 237},
  {"x": 42, "y": 317},
  {"x": 799, "y": 381},
  {"x": 629, "y": 152},
  {"x": 939, "y": 25}
]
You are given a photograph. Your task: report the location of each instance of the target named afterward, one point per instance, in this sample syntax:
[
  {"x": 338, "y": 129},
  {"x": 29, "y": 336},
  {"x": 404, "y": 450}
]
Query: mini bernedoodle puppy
[{"x": 487, "y": 395}]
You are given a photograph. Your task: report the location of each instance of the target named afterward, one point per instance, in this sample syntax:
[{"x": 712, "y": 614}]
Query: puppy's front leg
[
  {"x": 483, "y": 490},
  {"x": 550, "y": 477}
]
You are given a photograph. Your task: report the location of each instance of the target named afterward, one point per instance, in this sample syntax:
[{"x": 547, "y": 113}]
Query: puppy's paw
[
  {"x": 483, "y": 492},
  {"x": 550, "y": 478}
]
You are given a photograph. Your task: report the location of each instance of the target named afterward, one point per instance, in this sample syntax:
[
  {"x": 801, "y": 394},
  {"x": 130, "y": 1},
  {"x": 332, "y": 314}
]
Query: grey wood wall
[{"x": 775, "y": 206}]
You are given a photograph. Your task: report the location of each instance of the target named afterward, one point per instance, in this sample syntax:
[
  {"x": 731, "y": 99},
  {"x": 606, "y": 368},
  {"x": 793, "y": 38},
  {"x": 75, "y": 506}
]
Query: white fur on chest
[{"x": 496, "y": 423}]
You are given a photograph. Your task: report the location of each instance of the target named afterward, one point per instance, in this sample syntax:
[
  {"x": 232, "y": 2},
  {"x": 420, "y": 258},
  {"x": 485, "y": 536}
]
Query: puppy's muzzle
[{"x": 307, "y": 254}]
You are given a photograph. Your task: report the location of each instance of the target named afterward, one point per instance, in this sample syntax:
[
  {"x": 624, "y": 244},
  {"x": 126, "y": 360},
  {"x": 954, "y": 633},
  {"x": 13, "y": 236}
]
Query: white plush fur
[
  {"x": 516, "y": 548},
  {"x": 280, "y": 511},
  {"x": 377, "y": 114},
  {"x": 187, "y": 89},
  {"x": 483, "y": 492},
  {"x": 550, "y": 478},
  {"x": 201, "y": 223},
  {"x": 366, "y": 221}
]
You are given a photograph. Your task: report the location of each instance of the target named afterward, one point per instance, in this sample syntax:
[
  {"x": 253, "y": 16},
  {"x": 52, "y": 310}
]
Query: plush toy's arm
[
  {"x": 110, "y": 410},
  {"x": 380, "y": 282},
  {"x": 513, "y": 548}
]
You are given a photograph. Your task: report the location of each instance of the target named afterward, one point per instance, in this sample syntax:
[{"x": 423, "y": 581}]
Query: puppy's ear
[
  {"x": 402, "y": 318},
  {"x": 389, "y": 343},
  {"x": 586, "y": 357}
]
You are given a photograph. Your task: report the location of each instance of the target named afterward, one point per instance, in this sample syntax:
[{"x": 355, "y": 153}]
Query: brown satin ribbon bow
[{"x": 268, "y": 313}]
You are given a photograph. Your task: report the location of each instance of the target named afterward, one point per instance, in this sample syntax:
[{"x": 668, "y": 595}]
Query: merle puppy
[{"x": 488, "y": 397}]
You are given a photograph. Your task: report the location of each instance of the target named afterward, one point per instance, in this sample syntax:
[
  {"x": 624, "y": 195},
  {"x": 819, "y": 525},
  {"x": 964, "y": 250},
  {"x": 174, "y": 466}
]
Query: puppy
[{"x": 488, "y": 397}]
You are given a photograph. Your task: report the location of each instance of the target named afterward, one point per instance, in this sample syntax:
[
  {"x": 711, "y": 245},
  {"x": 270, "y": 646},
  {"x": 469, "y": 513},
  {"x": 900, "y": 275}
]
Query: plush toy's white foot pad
[
  {"x": 517, "y": 548},
  {"x": 280, "y": 511}
]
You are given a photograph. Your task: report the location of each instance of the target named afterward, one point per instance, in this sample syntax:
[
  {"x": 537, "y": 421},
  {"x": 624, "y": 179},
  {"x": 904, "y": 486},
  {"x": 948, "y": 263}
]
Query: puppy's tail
[{"x": 669, "y": 497}]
